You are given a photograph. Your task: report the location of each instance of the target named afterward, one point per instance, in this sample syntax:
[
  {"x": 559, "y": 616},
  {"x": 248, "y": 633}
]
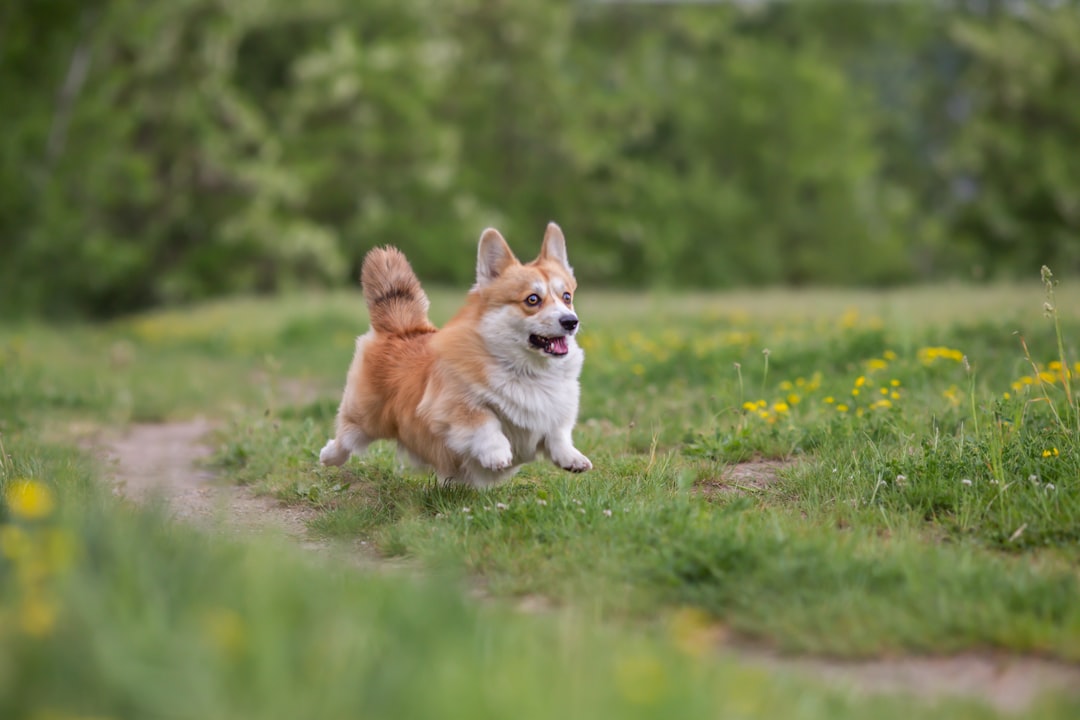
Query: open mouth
[{"x": 551, "y": 345}]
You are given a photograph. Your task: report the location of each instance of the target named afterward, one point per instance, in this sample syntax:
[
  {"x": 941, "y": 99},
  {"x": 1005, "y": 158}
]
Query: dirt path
[{"x": 161, "y": 462}]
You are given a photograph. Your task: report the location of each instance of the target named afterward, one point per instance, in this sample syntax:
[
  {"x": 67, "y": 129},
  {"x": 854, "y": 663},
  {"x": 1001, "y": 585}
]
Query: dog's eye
[
  {"x": 533, "y": 300},
  {"x": 566, "y": 298}
]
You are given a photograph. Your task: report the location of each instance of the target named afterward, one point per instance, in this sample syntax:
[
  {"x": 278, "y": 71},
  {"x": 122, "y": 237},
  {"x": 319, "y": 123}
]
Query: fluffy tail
[{"x": 396, "y": 302}]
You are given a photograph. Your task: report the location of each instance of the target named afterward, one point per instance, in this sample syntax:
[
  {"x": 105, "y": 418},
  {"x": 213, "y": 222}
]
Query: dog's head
[{"x": 530, "y": 306}]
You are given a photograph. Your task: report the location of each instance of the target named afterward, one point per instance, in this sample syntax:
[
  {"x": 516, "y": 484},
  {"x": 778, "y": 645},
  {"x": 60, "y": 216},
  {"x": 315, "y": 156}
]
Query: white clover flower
[
  {"x": 607, "y": 513},
  {"x": 501, "y": 506},
  {"x": 965, "y": 481},
  {"x": 541, "y": 501},
  {"x": 1050, "y": 486},
  {"x": 466, "y": 510}
]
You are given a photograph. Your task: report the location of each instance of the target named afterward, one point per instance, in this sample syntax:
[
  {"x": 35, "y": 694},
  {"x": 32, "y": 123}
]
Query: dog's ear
[
  {"x": 492, "y": 257},
  {"x": 554, "y": 247}
]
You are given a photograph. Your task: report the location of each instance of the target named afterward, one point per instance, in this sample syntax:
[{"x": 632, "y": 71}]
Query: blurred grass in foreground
[{"x": 107, "y": 611}]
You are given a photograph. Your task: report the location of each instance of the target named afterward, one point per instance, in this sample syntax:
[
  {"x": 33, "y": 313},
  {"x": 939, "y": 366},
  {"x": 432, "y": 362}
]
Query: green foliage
[
  {"x": 1022, "y": 206},
  {"x": 159, "y": 153}
]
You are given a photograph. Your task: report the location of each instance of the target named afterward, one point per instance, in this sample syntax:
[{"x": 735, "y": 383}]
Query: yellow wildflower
[
  {"x": 829, "y": 399},
  {"x": 749, "y": 406},
  {"x": 842, "y": 408},
  {"x": 876, "y": 364},
  {"x": 889, "y": 355},
  {"x": 29, "y": 499},
  {"x": 781, "y": 407},
  {"x": 894, "y": 382},
  {"x": 37, "y": 616},
  {"x": 1052, "y": 452},
  {"x": 14, "y": 542},
  {"x": 860, "y": 381}
]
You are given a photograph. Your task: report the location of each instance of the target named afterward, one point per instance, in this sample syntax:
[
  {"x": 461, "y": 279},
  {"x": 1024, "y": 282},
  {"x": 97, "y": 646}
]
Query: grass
[{"x": 928, "y": 502}]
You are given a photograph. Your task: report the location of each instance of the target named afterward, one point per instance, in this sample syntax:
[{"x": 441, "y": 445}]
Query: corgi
[{"x": 496, "y": 386}]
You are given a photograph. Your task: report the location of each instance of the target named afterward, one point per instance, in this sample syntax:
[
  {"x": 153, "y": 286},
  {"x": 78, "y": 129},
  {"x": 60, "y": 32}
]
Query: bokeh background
[{"x": 165, "y": 152}]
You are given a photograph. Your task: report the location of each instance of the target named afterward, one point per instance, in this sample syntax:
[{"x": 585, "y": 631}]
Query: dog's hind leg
[{"x": 350, "y": 439}]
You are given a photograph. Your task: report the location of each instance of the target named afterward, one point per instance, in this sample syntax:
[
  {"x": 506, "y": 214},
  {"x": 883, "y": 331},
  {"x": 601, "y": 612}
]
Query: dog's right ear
[{"x": 492, "y": 257}]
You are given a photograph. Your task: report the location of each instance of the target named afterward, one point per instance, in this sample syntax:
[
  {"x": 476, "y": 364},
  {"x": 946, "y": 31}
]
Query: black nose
[{"x": 569, "y": 322}]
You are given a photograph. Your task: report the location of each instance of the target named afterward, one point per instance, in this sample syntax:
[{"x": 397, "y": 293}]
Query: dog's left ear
[
  {"x": 492, "y": 257},
  {"x": 554, "y": 247}
]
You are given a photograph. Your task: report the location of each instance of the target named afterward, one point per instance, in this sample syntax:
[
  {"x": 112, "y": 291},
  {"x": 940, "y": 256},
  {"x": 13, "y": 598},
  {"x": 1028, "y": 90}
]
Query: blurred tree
[
  {"x": 1017, "y": 182},
  {"x": 163, "y": 152}
]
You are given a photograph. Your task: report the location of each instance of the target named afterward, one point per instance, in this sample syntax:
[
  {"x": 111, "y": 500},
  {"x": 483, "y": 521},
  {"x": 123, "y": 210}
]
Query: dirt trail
[{"x": 162, "y": 462}]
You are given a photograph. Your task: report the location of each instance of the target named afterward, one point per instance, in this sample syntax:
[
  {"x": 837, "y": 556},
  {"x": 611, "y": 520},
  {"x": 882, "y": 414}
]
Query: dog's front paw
[
  {"x": 497, "y": 460},
  {"x": 333, "y": 454},
  {"x": 574, "y": 461},
  {"x": 496, "y": 457}
]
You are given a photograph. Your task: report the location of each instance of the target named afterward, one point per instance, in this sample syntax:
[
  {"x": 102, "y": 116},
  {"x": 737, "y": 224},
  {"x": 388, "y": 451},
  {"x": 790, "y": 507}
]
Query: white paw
[
  {"x": 332, "y": 454},
  {"x": 497, "y": 456},
  {"x": 573, "y": 461}
]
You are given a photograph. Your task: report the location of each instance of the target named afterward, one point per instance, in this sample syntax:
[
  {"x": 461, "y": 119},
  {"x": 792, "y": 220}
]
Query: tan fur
[{"x": 462, "y": 399}]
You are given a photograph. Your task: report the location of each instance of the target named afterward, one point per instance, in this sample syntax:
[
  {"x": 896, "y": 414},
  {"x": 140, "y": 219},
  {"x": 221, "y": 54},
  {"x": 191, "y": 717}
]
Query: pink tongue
[{"x": 558, "y": 346}]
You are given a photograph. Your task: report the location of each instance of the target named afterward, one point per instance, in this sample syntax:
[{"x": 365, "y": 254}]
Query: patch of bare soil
[
  {"x": 1009, "y": 684},
  {"x": 162, "y": 463},
  {"x": 750, "y": 476}
]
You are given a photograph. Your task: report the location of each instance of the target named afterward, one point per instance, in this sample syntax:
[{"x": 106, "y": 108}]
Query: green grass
[{"x": 935, "y": 517}]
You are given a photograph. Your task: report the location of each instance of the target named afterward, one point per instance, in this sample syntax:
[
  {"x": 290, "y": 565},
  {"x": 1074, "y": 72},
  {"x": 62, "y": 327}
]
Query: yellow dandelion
[
  {"x": 842, "y": 408},
  {"x": 894, "y": 395},
  {"x": 1047, "y": 377},
  {"x": 749, "y": 406},
  {"x": 952, "y": 395},
  {"x": 37, "y": 616},
  {"x": 224, "y": 629},
  {"x": 14, "y": 542},
  {"x": 889, "y": 355},
  {"x": 859, "y": 412},
  {"x": 1052, "y": 452},
  {"x": 876, "y": 364},
  {"x": 854, "y": 392},
  {"x": 693, "y": 631},
  {"x": 884, "y": 391},
  {"x": 1006, "y": 396},
  {"x": 860, "y": 381},
  {"x": 29, "y": 499},
  {"x": 786, "y": 386},
  {"x": 781, "y": 407},
  {"x": 894, "y": 382},
  {"x": 829, "y": 399},
  {"x": 882, "y": 404}
]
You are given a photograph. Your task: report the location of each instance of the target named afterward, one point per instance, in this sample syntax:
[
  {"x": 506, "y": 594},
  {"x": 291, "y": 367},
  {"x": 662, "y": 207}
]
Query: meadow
[{"x": 835, "y": 474}]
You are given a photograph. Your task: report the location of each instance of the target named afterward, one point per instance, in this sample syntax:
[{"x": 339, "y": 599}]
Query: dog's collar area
[{"x": 556, "y": 346}]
